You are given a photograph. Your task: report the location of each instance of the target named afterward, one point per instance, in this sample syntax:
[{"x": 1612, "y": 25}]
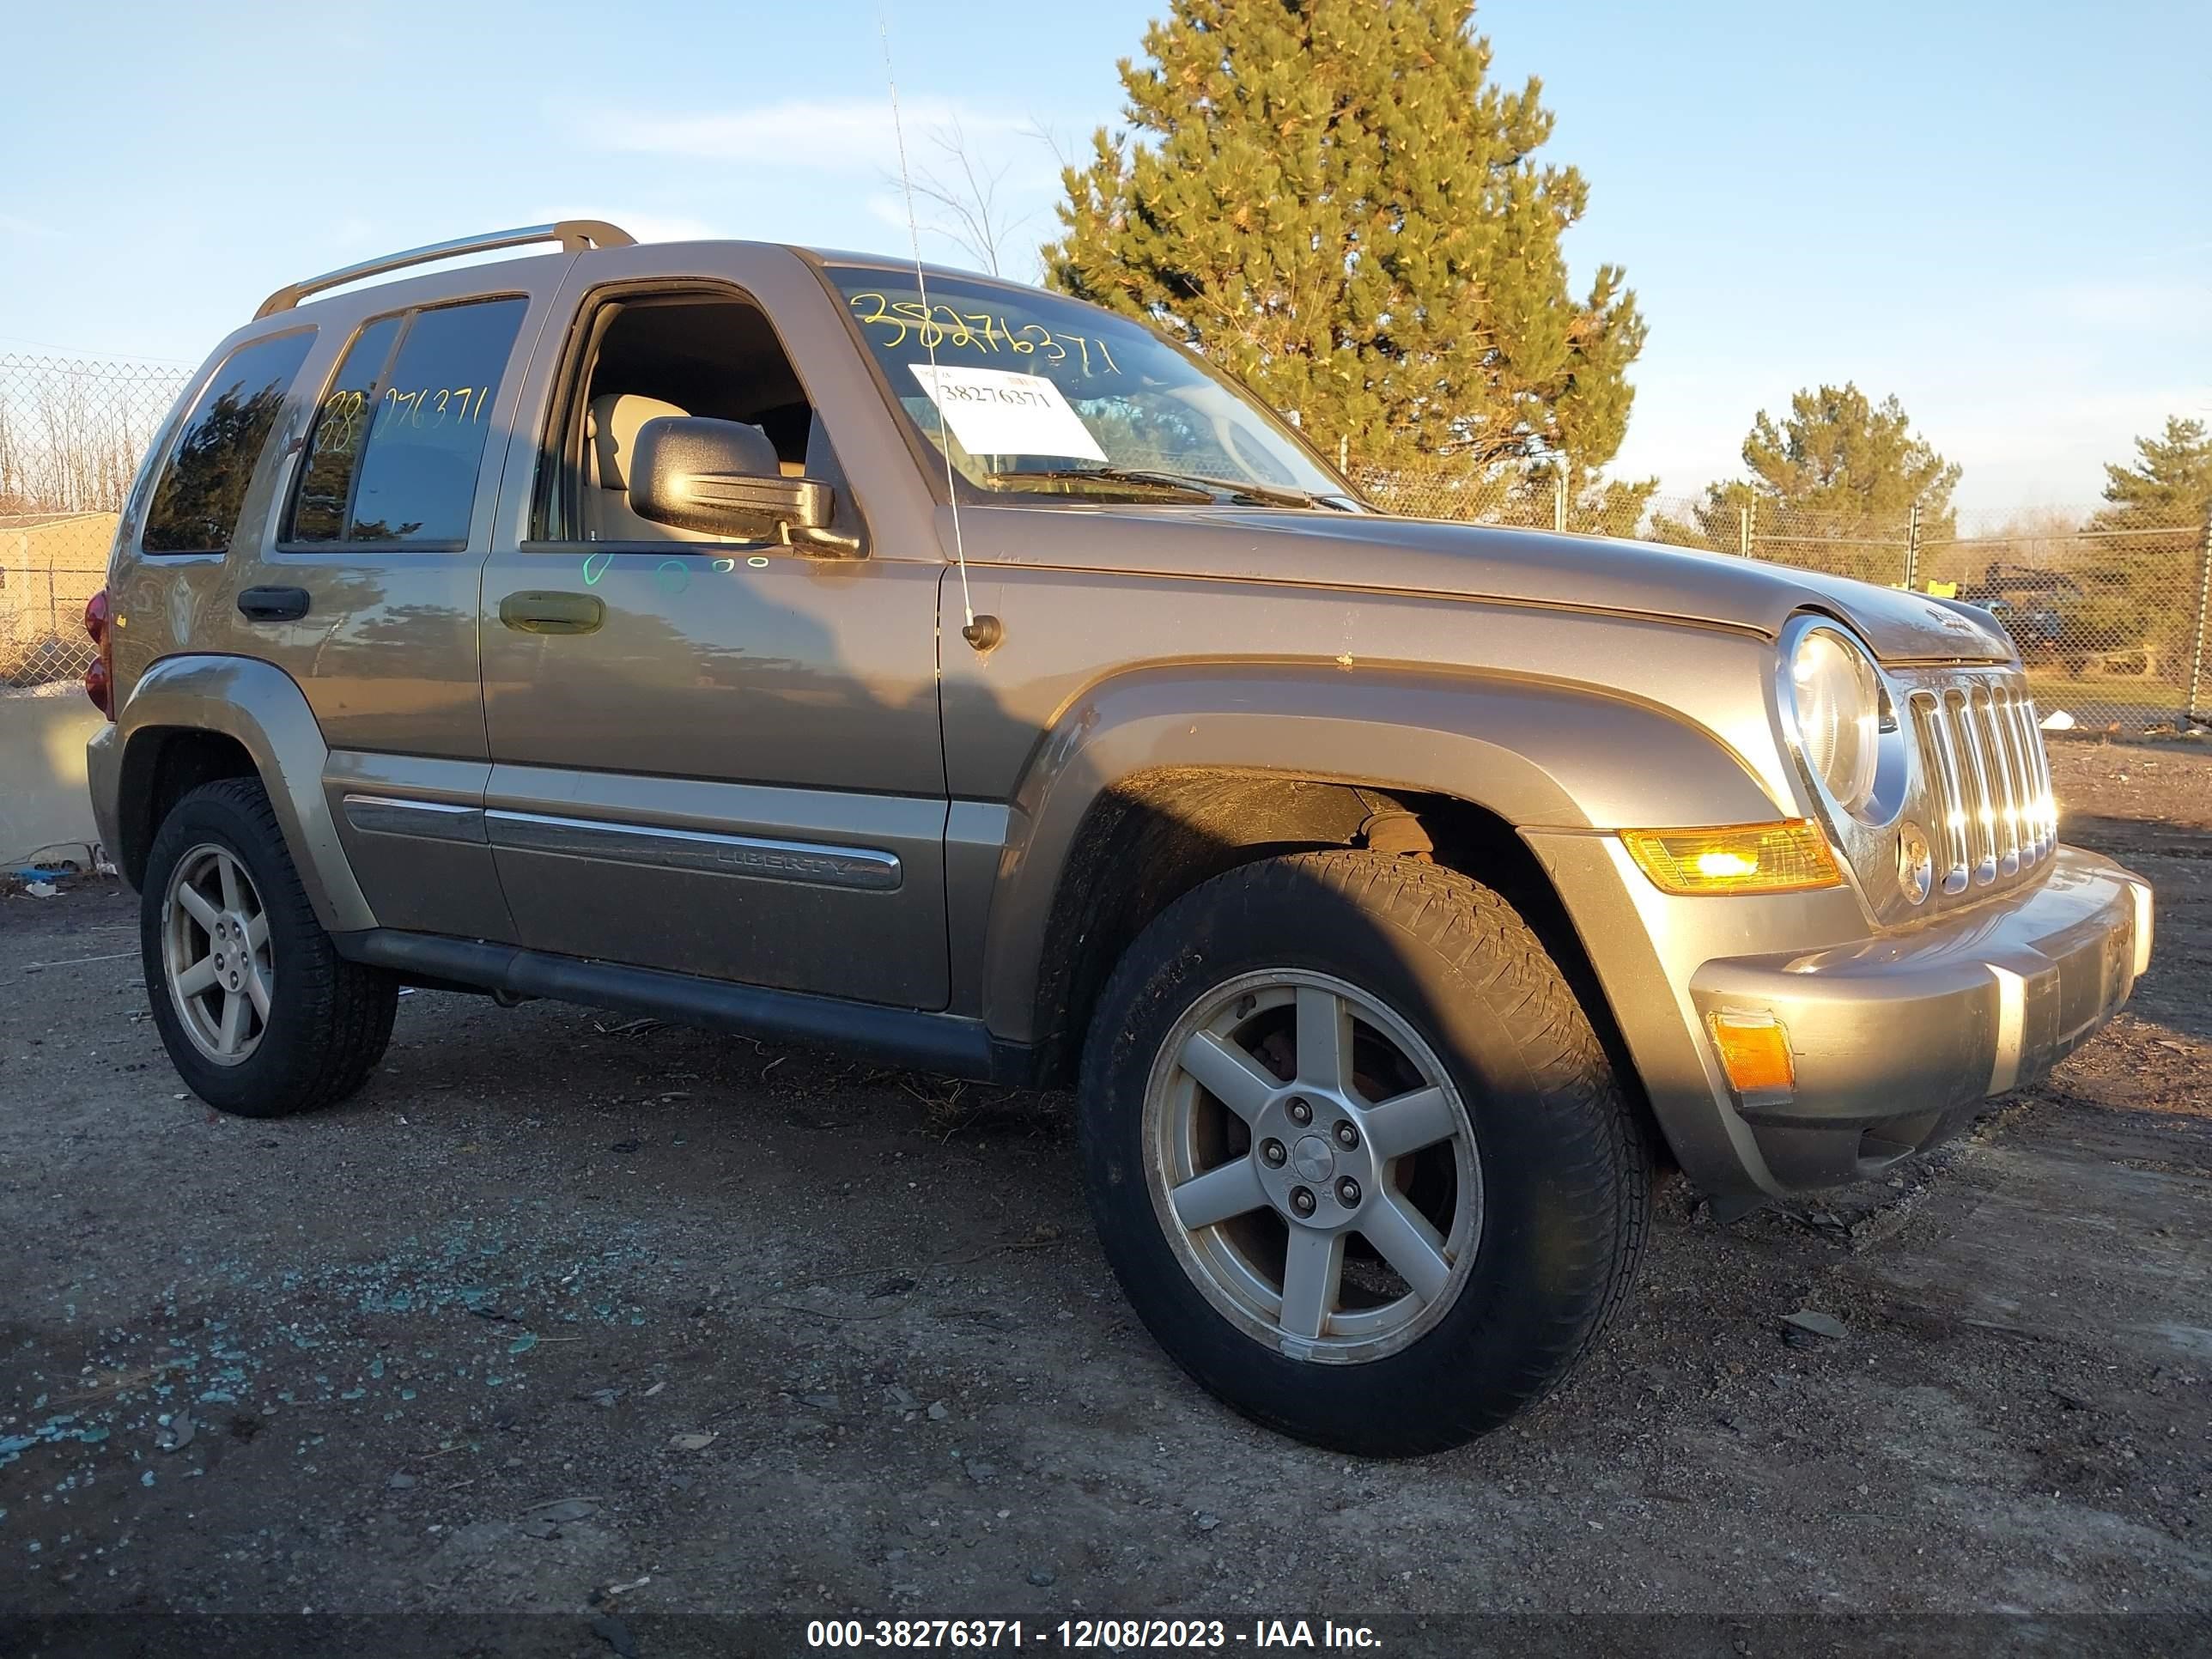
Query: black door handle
[
  {"x": 273, "y": 603},
  {"x": 537, "y": 611}
]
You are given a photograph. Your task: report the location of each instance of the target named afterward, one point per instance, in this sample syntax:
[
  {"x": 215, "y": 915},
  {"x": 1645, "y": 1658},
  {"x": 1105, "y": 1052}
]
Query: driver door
[{"x": 714, "y": 757}]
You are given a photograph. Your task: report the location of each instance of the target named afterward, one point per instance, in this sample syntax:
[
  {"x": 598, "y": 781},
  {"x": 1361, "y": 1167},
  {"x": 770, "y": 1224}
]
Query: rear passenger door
[{"x": 363, "y": 587}]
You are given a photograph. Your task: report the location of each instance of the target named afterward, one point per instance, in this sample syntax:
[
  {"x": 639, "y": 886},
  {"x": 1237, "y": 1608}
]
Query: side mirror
[{"x": 722, "y": 476}]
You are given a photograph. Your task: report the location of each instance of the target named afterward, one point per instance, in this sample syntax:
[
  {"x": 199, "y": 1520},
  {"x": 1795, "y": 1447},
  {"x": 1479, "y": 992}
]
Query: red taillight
[{"x": 100, "y": 678}]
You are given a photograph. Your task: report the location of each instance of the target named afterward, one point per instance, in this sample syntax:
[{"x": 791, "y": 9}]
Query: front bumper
[
  {"x": 1895, "y": 1040},
  {"x": 1898, "y": 1041}
]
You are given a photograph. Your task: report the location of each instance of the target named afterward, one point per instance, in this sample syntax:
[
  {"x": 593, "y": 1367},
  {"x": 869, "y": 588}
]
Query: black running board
[{"x": 947, "y": 1043}]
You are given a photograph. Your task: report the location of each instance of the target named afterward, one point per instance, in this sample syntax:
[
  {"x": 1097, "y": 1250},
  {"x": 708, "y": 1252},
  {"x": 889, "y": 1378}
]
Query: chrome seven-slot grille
[{"x": 1988, "y": 778}]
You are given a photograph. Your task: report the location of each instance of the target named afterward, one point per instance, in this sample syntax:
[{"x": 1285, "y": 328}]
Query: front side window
[
  {"x": 400, "y": 436},
  {"x": 203, "y": 488},
  {"x": 1037, "y": 395},
  {"x": 652, "y": 357}
]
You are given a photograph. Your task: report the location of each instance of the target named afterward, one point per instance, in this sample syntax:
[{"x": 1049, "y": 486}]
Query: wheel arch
[
  {"x": 1151, "y": 785},
  {"x": 162, "y": 764},
  {"x": 194, "y": 718}
]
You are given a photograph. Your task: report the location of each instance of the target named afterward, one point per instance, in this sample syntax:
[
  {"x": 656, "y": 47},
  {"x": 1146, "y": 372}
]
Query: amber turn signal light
[
  {"x": 1754, "y": 1051},
  {"x": 1789, "y": 857}
]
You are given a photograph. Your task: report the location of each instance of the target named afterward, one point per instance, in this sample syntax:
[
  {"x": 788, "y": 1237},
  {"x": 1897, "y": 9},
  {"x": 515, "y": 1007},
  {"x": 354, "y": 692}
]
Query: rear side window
[
  {"x": 400, "y": 435},
  {"x": 318, "y": 511},
  {"x": 196, "y": 504}
]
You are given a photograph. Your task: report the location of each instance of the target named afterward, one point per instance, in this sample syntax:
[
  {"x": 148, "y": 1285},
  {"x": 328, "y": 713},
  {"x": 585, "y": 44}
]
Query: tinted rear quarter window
[
  {"x": 334, "y": 450},
  {"x": 400, "y": 436},
  {"x": 197, "y": 503}
]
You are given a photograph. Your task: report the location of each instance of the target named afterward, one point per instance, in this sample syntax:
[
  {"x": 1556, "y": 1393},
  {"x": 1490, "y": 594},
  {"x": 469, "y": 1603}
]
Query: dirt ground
[{"x": 576, "y": 1313}]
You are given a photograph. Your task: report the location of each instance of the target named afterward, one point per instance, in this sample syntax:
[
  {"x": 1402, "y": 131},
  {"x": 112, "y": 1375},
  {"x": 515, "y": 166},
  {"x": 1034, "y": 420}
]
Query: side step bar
[{"x": 951, "y": 1044}]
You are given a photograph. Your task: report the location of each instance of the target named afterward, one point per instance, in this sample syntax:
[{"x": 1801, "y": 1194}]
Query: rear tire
[
  {"x": 1465, "y": 1191},
  {"x": 261, "y": 1015}
]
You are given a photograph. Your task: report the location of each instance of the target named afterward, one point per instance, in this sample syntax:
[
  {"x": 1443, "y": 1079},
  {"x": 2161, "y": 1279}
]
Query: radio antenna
[{"x": 985, "y": 635}]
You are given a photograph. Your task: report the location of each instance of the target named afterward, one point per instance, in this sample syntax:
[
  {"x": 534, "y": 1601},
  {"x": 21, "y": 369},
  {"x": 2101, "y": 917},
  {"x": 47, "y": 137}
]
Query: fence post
[
  {"x": 1560, "y": 497},
  {"x": 2203, "y": 604},
  {"x": 1912, "y": 548},
  {"x": 1743, "y": 532},
  {"x": 1343, "y": 453}
]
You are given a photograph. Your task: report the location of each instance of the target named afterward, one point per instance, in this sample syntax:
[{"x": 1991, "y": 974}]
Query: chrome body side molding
[
  {"x": 427, "y": 820},
  {"x": 862, "y": 869}
]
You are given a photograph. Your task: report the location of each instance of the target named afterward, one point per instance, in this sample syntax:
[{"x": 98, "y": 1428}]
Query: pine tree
[
  {"x": 1839, "y": 470},
  {"x": 1332, "y": 199},
  {"x": 2141, "y": 588},
  {"x": 2169, "y": 485}
]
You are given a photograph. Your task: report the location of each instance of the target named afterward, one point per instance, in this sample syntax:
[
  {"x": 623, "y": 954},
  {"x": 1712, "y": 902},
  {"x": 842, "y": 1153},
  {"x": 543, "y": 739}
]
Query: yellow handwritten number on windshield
[{"x": 940, "y": 326}]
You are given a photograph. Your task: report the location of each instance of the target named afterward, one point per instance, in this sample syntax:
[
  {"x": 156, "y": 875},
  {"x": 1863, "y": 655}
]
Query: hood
[{"x": 1480, "y": 562}]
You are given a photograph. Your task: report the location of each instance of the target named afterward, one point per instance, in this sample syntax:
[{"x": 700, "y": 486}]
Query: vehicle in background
[{"x": 2074, "y": 618}]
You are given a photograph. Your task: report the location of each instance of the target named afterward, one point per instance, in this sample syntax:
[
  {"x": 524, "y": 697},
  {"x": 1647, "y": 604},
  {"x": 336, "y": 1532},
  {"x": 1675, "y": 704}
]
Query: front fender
[
  {"x": 264, "y": 710},
  {"x": 1539, "y": 755}
]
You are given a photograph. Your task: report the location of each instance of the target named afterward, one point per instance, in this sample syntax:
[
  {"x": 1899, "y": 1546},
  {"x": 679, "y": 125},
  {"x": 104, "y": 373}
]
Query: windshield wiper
[
  {"x": 1166, "y": 483},
  {"x": 1196, "y": 483},
  {"x": 1240, "y": 489}
]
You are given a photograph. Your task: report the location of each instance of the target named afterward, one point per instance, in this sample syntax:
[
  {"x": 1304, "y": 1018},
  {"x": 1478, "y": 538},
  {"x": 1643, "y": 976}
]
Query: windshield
[{"x": 1038, "y": 395}]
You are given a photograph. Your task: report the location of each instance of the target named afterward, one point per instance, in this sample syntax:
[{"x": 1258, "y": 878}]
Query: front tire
[
  {"x": 1355, "y": 1152},
  {"x": 261, "y": 1017}
]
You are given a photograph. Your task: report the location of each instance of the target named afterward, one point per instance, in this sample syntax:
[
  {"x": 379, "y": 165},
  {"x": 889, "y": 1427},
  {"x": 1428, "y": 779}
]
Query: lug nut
[
  {"x": 1273, "y": 1152},
  {"x": 1300, "y": 1112},
  {"x": 1347, "y": 1192},
  {"x": 1346, "y": 1136},
  {"x": 1302, "y": 1201}
]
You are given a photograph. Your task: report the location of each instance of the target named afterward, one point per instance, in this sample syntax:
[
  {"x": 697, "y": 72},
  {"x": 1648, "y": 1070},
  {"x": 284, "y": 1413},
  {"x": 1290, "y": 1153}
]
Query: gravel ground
[{"x": 575, "y": 1314}]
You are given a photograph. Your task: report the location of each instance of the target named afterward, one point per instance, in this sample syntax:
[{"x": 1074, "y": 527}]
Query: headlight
[{"x": 1837, "y": 702}]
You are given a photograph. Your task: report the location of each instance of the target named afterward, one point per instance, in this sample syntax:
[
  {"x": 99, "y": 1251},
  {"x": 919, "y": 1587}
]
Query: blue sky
[{"x": 2002, "y": 213}]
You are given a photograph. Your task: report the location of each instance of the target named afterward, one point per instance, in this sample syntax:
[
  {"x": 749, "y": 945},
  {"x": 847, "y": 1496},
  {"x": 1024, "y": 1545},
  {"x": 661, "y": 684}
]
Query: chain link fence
[
  {"x": 2110, "y": 610},
  {"x": 50, "y": 565},
  {"x": 71, "y": 433},
  {"x": 2110, "y": 615}
]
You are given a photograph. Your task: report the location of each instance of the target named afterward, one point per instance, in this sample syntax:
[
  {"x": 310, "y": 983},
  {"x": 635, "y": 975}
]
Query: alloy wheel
[
  {"x": 216, "y": 954},
  {"x": 1313, "y": 1165}
]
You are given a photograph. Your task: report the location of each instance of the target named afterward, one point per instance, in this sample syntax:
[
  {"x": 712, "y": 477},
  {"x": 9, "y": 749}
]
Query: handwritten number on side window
[
  {"x": 460, "y": 405},
  {"x": 341, "y": 423}
]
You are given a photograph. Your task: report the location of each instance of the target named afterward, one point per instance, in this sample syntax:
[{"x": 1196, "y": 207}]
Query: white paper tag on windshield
[{"x": 994, "y": 411}]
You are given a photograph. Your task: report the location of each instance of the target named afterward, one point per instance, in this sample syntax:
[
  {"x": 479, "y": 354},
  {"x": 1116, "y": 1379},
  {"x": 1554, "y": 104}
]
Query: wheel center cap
[{"x": 1313, "y": 1158}]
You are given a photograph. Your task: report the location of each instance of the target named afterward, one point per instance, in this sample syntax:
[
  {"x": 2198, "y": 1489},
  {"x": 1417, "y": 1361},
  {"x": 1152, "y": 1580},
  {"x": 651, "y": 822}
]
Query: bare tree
[
  {"x": 969, "y": 195},
  {"x": 1064, "y": 155},
  {"x": 71, "y": 432},
  {"x": 14, "y": 493}
]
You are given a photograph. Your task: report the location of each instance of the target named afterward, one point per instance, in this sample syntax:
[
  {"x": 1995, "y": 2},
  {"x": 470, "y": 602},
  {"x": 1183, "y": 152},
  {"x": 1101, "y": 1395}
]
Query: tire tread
[
  {"x": 340, "y": 1012},
  {"x": 1599, "y": 1173}
]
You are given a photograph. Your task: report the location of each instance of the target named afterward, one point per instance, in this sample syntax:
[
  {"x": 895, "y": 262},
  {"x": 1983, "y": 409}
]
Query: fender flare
[
  {"x": 263, "y": 708},
  {"x": 1536, "y": 754}
]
